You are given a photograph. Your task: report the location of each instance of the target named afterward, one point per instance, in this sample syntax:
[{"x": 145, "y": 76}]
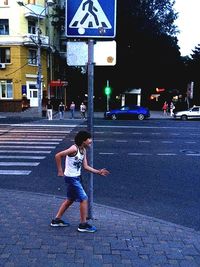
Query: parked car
[
  {"x": 191, "y": 113},
  {"x": 128, "y": 112}
]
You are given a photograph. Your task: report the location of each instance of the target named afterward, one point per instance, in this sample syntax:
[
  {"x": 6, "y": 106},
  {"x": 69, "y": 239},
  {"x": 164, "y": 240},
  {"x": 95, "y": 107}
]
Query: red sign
[{"x": 58, "y": 83}]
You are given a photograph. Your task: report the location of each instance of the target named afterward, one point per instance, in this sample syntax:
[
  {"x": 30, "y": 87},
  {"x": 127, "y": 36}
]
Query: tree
[
  {"x": 193, "y": 69},
  {"x": 147, "y": 44}
]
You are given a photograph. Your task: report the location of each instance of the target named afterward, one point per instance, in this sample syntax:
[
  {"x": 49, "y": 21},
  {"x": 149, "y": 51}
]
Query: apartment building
[{"x": 26, "y": 55}]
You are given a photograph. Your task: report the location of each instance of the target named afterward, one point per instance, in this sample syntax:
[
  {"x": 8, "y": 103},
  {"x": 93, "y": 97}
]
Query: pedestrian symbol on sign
[{"x": 89, "y": 15}]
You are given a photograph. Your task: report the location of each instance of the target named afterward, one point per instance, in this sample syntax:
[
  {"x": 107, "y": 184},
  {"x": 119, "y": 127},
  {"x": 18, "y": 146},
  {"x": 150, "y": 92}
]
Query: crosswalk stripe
[
  {"x": 38, "y": 131},
  {"x": 35, "y": 147},
  {"x": 31, "y": 139},
  {"x": 21, "y": 157},
  {"x": 33, "y": 164},
  {"x": 25, "y": 152},
  {"x": 15, "y": 172},
  {"x": 29, "y": 143}
]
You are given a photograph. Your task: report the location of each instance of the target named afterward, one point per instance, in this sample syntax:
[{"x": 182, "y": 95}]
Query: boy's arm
[
  {"x": 58, "y": 159},
  {"x": 102, "y": 172}
]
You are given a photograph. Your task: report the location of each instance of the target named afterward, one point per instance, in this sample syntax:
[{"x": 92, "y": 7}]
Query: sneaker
[
  {"x": 86, "y": 227},
  {"x": 59, "y": 222}
]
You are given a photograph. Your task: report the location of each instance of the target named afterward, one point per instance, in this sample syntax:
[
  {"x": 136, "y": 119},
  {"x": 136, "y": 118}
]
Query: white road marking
[
  {"x": 38, "y": 131},
  {"x": 29, "y": 143},
  {"x": 144, "y": 141},
  {"x": 166, "y": 154},
  {"x": 3, "y": 138},
  {"x": 139, "y": 154},
  {"x": 35, "y": 147},
  {"x": 15, "y": 172},
  {"x": 21, "y": 157},
  {"x": 106, "y": 153},
  {"x": 196, "y": 155},
  {"x": 25, "y": 151},
  {"x": 167, "y": 142},
  {"x": 3, "y": 163}
]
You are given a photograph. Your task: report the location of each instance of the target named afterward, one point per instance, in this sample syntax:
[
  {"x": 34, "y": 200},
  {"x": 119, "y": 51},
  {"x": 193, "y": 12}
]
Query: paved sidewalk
[
  {"x": 123, "y": 238},
  {"x": 33, "y": 113}
]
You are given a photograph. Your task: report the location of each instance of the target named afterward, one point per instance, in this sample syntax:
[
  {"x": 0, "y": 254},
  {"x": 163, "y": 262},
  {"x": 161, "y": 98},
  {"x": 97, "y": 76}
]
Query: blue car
[{"x": 128, "y": 112}]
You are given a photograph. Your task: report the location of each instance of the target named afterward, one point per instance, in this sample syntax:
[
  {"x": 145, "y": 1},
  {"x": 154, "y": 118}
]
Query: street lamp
[{"x": 39, "y": 43}]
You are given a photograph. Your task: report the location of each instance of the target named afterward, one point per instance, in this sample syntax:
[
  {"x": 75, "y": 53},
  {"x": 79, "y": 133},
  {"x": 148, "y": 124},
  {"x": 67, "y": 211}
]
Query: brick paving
[{"x": 123, "y": 238}]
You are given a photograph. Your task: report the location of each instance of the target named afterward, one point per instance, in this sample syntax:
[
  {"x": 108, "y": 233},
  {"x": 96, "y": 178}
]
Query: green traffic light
[{"x": 107, "y": 90}]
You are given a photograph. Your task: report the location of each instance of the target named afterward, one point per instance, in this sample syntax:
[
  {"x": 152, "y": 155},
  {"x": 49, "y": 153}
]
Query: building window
[
  {"x": 3, "y": 2},
  {"x": 4, "y": 55},
  {"x": 32, "y": 2},
  {"x": 4, "y": 27},
  {"x": 31, "y": 27},
  {"x": 32, "y": 57},
  {"x": 6, "y": 89}
]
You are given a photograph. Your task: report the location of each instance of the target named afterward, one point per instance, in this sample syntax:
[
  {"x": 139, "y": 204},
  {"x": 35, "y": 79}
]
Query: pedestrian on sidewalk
[
  {"x": 172, "y": 107},
  {"x": 83, "y": 110},
  {"x": 61, "y": 110},
  {"x": 164, "y": 108},
  {"x": 49, "y": 109},
  {"x": 72, "y": 109},
  {"x": 75, "y": 158}
]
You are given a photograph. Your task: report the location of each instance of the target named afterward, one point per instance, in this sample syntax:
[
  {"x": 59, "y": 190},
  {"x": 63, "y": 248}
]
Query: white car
[{"x": 191, "y": 113}]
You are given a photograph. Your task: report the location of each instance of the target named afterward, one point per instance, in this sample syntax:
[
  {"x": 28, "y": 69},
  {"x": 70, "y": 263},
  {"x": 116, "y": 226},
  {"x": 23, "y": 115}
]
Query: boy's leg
[
  {"x": 84, "y": 226},
  {"x": 83, "y": 211},
  {"x": 57, "y": 221},
  {"x": 64, "y": 206}
]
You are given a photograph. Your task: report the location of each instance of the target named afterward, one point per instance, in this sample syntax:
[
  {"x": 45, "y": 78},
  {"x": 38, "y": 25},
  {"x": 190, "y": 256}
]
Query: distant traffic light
[{"x": 107, "y": 90}]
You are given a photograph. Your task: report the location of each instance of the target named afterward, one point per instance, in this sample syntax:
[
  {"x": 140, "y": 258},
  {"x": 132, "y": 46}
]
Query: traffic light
[{"x": 107, "y": 90}]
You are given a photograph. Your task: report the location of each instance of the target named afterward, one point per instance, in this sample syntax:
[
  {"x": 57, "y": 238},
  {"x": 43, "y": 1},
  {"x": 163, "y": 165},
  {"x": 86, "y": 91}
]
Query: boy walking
[{"x": 75, "y": 158}]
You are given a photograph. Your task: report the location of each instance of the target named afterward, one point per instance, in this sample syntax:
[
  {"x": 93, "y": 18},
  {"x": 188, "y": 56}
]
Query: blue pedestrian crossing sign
[{"x": 91, "y": 18}]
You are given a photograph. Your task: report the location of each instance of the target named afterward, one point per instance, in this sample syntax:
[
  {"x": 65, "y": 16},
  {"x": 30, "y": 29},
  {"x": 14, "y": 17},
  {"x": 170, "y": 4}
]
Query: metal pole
[
  {"x": 39, "y": 74},
  {"x": 90, "y": 119},
  {"x": 107, "y": 96}
]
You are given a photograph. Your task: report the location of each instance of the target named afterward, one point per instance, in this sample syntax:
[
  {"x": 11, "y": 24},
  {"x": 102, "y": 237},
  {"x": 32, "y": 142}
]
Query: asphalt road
[{"x": 154, "y": 165}]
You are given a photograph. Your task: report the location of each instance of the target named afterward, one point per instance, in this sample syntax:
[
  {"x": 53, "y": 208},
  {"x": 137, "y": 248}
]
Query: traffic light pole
[
  {"x": 90, "y": 69},
  {"x": 107, "y": 96}
]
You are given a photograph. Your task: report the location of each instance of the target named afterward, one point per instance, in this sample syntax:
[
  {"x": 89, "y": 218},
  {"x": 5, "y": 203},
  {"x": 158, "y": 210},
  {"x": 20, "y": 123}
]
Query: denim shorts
[{"x": 75, "y": 191}]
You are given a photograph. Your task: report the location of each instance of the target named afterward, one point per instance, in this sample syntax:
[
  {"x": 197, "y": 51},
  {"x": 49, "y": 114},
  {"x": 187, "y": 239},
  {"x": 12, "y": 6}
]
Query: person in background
[
  {"x": 72, "y": 109},
  {"x": 49, "y": 109},
  {"x": 171, "y": 108},
  {"x": 83, "y": 110},
  {"x": 164, "y": 108},
  {"x": 61, "y": 110}
]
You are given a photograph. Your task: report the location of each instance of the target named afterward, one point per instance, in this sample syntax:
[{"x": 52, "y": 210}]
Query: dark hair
[{"x": 81, "y": 137}]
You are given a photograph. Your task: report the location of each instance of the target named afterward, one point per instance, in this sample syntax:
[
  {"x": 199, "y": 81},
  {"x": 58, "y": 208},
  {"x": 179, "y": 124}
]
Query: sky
[{"x": 188, "y": 24}]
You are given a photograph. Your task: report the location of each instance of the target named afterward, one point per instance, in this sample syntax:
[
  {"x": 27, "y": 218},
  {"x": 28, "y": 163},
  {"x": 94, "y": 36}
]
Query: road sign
[
  {"x": 91, "y": 18},
  {"x": 104, "y": 53}
]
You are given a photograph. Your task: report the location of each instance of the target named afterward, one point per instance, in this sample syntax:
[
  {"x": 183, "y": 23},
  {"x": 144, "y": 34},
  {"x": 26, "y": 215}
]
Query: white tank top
[{"x": 73, "y": 164}]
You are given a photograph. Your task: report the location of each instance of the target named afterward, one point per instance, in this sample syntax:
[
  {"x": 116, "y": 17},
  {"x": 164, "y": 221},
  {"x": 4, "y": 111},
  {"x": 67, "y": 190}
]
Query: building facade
[{"x": 23, "y": 50}]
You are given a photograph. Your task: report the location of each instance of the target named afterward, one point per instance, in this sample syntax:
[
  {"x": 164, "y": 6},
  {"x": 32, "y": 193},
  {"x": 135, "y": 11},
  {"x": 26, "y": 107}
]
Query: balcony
[
  {"x": 32, "y": 40},
  {"x": 34, "y": 11}
]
